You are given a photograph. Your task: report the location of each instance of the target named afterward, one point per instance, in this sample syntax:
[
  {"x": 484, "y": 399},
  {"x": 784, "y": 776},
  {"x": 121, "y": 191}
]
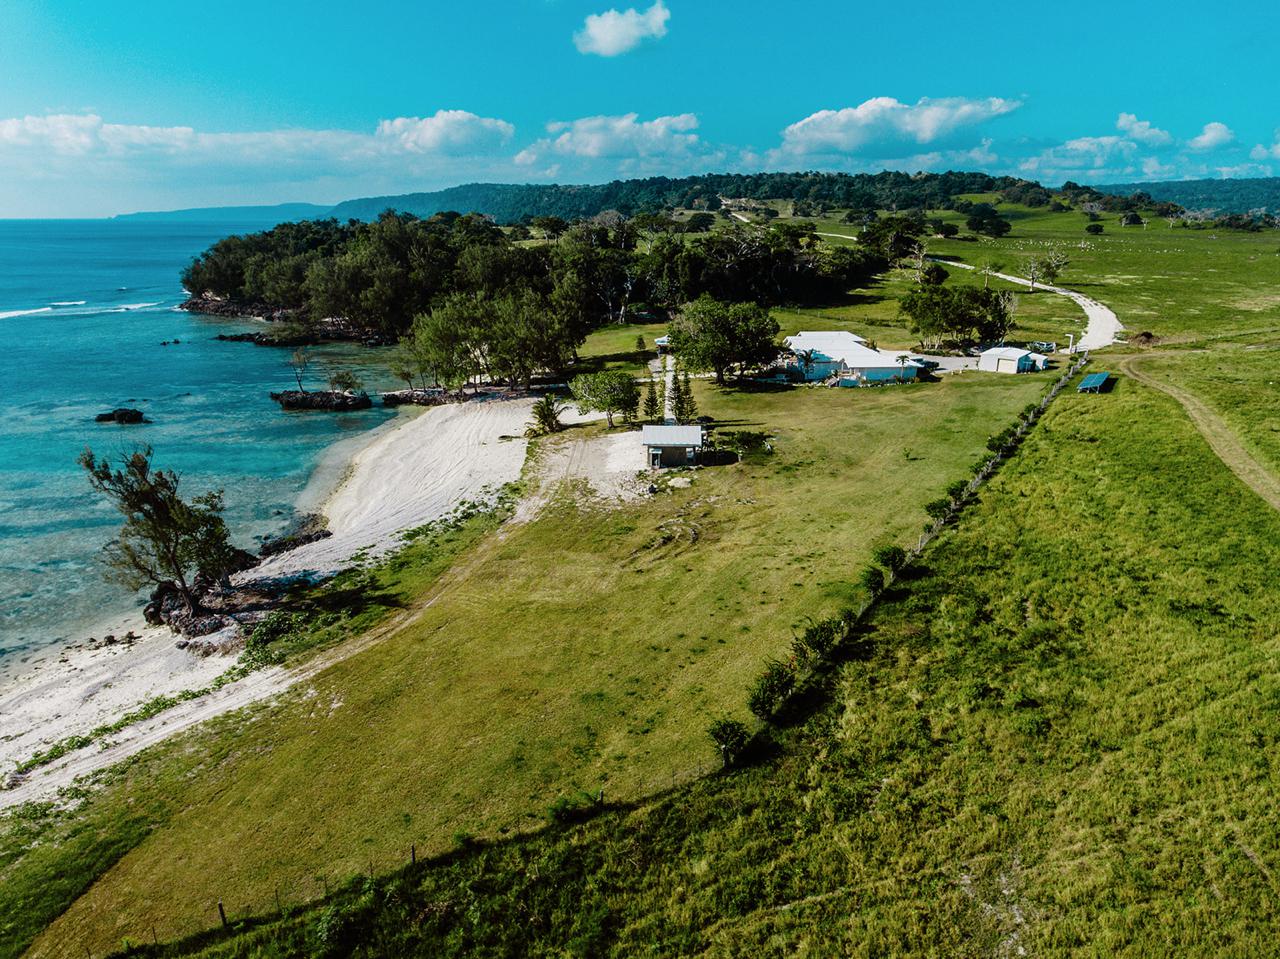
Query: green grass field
[
  {"x": 1240, "y": 383},
  {"x": 587, "y": 650},
  {"x": 1061, "y": 739}
]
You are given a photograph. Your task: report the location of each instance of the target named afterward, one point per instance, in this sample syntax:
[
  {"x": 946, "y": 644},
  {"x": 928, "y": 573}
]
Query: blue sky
[{"x": 111, "y": 107}]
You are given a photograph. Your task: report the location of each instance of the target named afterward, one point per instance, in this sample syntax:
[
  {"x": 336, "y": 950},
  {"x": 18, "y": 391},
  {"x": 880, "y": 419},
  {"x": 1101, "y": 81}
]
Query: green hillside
[{"x": 1222, "y": 195}]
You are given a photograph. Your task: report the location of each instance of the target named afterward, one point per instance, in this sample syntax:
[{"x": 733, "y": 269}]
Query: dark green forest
[
  {"x": 1222, "y": 196},
  {"x": 513, "y": 203}
]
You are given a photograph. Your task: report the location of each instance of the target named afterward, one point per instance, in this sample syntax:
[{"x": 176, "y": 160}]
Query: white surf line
[{"x": 1103, "y": 327}]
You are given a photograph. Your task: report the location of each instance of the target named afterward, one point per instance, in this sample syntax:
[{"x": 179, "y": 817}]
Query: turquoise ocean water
[{"x": 84, "y": 309}]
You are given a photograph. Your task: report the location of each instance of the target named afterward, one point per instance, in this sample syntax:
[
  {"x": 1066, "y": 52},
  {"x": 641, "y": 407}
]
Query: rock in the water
[
  {"x": 330, "y": 400},
  {"x": 308, "y": 529},
  {"x": 122, "y": 415},
  {"x": 272, "y": 338}
]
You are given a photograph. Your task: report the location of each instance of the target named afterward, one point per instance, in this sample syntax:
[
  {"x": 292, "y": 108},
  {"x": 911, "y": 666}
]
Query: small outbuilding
[
  {"x": 671, "y": 445},
  {"x": 1008, "y": 359}
]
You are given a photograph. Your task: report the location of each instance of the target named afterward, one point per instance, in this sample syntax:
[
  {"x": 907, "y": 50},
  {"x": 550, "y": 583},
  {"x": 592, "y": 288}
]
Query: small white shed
[
  {"x": 1006, "y": 359},
  {"x": 671, "y": 445}
]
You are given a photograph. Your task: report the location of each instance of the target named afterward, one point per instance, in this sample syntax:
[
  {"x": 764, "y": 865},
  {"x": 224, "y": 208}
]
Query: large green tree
[
  {"x": 609, "y": 392},
  {"x": 711, "y": 335}
]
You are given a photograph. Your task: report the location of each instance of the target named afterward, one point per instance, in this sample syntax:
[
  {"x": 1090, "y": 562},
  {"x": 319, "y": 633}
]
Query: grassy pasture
[
  {"x": 1062, "y": 742},
  {"x": 1240, "y": 383},
  {"x": 586, "y": 650},
  {"x": 1178, "y": 283}
]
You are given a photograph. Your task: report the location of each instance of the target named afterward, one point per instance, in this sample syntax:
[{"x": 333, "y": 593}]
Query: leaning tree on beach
[{"x": 164, "y": 539}]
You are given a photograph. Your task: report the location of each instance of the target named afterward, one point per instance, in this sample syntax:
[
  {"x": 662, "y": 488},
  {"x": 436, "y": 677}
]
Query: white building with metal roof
[
  {"x": 671, "y": 445},
  {"x": 820, "y": 355}
]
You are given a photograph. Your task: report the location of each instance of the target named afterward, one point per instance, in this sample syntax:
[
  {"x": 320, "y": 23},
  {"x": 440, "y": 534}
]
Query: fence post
[
  {"x": 413, "y": 854},
  {"x": 222, "y": 914}
]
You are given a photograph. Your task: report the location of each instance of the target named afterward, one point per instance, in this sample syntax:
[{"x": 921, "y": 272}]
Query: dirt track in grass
[{"x": 1220, "y": 437}]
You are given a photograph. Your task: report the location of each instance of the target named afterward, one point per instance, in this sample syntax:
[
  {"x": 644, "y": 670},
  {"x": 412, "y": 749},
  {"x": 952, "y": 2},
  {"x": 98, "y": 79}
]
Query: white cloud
[
  {"x": 612, "y": 32},
  {"x": 1142, "y": 131},
  {"x": 447, "y": 131},
  {"x": 79, "y": 164},
  {"x": 883, "y": 119},
  {"x": 78, "y": 134},
  {"x": 1213, "y": 135},
  {"x": 1244, "y": 170},
  {"x": 1263, "y": 152},
  {"x": 623, "y": 136},
  {"x": 1096, "y": 157}
]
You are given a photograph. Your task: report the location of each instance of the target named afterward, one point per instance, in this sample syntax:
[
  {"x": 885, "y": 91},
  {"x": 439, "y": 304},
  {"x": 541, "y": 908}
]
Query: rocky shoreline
[{"x": 294, "y": 331}]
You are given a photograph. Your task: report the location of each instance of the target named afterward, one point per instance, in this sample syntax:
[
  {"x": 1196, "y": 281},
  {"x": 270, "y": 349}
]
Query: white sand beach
[{"x": 406, "y": 475}]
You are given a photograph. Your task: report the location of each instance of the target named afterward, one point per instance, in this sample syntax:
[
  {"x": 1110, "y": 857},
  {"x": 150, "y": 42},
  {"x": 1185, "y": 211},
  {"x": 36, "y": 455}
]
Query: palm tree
[
  {"x": 546, "y": 416},
  {"x": 807, "y": 360},
  {"x": 901, "y": 359}
]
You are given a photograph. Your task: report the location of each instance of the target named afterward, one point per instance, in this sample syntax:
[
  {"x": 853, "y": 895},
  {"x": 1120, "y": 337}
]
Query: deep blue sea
[{"x": 84, "y": 309}]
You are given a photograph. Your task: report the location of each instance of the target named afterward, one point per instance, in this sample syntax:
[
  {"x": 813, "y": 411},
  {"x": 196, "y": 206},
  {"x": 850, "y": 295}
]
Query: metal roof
[
  {"x": 1007, "y": 352},
  {"x": 843, "y": 347},
  {"x": 685, "y": 436}
]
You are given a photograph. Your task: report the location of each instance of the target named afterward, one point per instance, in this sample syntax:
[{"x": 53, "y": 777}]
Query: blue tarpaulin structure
[{"x": 1093, "y": 383}]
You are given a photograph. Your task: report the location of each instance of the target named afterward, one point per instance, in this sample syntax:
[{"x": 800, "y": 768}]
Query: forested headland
[{"x": 472, "y": 296}]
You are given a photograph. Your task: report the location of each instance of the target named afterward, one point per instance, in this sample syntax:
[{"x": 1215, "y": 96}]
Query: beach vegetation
[
  {"x": 298, "y": 361},
  {"x": 165, "y": 539},
  {"x": 546, "y": 416},
  {"x": 344, "y": 381}
]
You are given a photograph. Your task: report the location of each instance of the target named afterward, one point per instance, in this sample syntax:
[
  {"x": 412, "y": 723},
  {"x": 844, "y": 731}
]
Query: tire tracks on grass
[{"x": 1224, "y": 442}]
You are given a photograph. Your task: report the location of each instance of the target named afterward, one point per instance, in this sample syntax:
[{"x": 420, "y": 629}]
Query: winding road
[{"x": 1103, "y": 327}]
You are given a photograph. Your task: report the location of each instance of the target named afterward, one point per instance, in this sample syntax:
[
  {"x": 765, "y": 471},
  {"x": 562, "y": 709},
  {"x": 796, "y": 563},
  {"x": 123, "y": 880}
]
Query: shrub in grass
[
  {"x": 892, "y": 558},
  {"x": 771, "y": 689},
  {"x": 938, "y": 509},
  {"x": 1000, "y": 440},
  {"x": 872, "y": 580},
  {"x": 957, "y": 490},
  {"x": 576, "y": 807},
  {"x": 818, "y": 639},
  {"x": 730, "y": 738}
]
